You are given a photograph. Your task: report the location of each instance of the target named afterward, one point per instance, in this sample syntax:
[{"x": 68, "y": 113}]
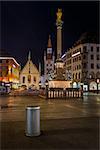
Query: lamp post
[
  {"x": 11, "y": 85},
  {"x": 97, "y": 86},
  {"x": 68, "y": 74},
  {"x": 90, "y": 77},
  {"x": 46, "y": 84},
  {"x": 81, "y": 89}
]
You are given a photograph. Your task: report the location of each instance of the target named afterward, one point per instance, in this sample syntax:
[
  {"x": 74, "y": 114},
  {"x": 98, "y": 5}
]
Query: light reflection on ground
[{"x": 13, "y": 108}]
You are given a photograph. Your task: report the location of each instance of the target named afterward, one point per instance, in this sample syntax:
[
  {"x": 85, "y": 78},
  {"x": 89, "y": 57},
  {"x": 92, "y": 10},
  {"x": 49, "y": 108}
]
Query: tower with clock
[{"x": 49, "y": 59}]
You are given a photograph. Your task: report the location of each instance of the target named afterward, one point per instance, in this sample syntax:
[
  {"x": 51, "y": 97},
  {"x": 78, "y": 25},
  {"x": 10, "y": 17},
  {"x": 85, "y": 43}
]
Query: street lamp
[
  {"x": 11, "y": 85},
  {"x": 97, "y": 86},
  {"x": 46, "y": 84},
  {"x": 81, "y": 84},
  {"x": 90, "y": 77}
]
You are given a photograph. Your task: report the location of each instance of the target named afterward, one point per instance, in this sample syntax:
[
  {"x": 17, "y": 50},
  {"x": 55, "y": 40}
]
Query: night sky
[{"x": 26, "y": 25}]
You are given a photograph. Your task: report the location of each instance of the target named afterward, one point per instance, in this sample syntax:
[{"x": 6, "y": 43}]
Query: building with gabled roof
[{"x": 29, "y": 75}]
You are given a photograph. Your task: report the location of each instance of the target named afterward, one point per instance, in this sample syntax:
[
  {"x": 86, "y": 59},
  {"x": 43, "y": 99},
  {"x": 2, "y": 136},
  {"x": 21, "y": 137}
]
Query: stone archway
[
  {"x": 92, "y": 75},
  {"x": 98, "y": 75},
  {"x": 75, "y": 84},
  {"x": 93, "y": 85}
]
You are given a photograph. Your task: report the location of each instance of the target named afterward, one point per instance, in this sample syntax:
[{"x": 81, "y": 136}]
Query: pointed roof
[
  {"x": 49, "y": 42},
  {"x": 40, "y": 68},
  {"x": 29, "y": 55},
  {"x": 32, "y": 66},
  {"x": 88, "y": 37},
  {"x": 44, "y": 53}
]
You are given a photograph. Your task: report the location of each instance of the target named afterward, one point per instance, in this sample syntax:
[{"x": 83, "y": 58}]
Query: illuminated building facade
[
  {"x": 82, "y": 63},
  {"x": 9, "y": 71},
  {"x": 49, "y": 59},
  {"x": 29, "y": 75}
]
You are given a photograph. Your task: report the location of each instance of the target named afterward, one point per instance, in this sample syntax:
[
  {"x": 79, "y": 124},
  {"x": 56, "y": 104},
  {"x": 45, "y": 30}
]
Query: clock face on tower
[{"x": 49, "y": 51}]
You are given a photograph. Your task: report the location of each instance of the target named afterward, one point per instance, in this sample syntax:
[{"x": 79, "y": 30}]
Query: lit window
[
  {"x": 34, "y": 79},
  {"x": 29, "y": 78},
  {"x": 14, "y": 66},
  {"x": 4, "y": 71}
]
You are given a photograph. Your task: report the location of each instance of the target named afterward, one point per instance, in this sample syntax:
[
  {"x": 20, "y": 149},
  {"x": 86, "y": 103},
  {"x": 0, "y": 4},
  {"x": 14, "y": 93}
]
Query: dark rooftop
[{"x": 88, "y": 37}]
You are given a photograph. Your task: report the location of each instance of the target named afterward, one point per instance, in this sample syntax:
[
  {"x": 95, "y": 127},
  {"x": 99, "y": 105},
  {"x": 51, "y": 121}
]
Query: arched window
[
  {"x": 92, "y": 75},
  {"x": 34, "y": 79},
  {"x": 98, "y": 75},
  {"x": 73, "y": 75},
  {"x": 79, "y": 76},
  {"x": 23, "y": 79},
  {"x": 76, "y": 75},
  {"x": 29, "y": 78},
  {"x": 74, "y": 85},
  {"x": 93, "y": 85}
]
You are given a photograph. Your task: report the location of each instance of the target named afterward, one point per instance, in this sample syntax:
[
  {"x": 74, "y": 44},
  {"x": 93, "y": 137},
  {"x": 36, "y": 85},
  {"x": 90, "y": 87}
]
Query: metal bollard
[{"x": 33, "y": 121}]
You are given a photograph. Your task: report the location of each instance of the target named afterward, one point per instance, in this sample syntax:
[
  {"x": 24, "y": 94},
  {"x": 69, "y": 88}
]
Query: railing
[{"x": 54, "y": 93}]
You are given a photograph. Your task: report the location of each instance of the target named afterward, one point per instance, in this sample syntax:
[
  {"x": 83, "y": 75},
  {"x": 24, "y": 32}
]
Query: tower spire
[
  {"x": 49, "y": 42},
  {"x": 40, "y": 68},
  {"x": 29, "y": 55}
]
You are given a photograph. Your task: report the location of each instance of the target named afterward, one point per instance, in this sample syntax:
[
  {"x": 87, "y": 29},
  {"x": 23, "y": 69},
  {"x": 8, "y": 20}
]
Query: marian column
[
  {"x": 59, "y": 65},
  {"x": 59, "y": 80},
  {"x": 59, "y": 24}
]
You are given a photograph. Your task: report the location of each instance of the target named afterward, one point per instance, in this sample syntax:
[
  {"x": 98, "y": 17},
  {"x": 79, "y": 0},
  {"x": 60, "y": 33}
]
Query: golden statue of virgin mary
[{"x": 59, "y": 15}]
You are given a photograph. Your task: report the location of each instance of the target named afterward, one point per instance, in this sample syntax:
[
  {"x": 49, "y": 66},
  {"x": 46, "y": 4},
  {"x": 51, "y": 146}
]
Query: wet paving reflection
[{"x": 13, "y": 108}]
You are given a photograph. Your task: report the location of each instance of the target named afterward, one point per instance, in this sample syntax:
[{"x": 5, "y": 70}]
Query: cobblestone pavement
[
  {"x": 13, "y": 108},
  {"x": 60, "y": 134},
  {"x": 65, "y": 124}
]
